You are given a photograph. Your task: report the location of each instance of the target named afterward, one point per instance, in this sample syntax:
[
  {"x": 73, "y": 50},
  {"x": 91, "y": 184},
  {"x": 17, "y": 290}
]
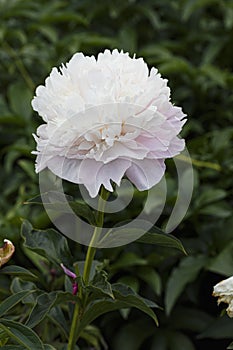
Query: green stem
[
  {"x": 91, "y": 249},
  {"x": 73, "y": 329},
  {"x": 73, "y": 338}
]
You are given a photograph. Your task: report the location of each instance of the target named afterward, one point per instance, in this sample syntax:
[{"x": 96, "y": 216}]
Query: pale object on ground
[
  {"x": 224, "y": 291},
  {"x": 106, "y": 118},
  {"x": 6, "y": 252}
]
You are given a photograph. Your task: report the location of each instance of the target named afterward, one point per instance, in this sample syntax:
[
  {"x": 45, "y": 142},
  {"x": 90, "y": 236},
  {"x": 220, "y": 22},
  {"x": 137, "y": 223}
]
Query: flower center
[{"x": 95, "y": 142}]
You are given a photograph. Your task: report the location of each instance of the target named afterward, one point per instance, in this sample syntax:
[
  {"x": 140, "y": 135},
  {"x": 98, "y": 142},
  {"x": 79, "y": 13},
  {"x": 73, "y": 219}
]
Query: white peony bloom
[
  {"x": 224, "y": 291},
  {"x": 106, "y": 118}
]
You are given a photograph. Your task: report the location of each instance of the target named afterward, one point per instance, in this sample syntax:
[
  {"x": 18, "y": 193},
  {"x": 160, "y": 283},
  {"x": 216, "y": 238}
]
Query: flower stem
[
  {"x": 87, "y": 267},
  {"x": 91, "y": 249},
  {"x": 73, "y": 329}
]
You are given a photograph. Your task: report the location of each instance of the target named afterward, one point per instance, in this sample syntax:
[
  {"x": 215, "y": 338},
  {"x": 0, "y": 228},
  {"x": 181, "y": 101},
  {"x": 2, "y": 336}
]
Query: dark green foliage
[{"x": 190, "y": 42}]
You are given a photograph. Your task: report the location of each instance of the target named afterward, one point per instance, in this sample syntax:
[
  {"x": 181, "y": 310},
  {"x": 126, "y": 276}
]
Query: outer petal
[
  {"x": 67, "y": 169},
  {"x": 94, "y": 174},
  {"x": 146, "y": 173}
]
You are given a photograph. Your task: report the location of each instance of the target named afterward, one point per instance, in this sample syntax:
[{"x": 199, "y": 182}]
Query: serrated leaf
[
  {"x": 184, "y": 273},
  {"x": 22, "y": 334},
  {"x": 12, "y": 300}
]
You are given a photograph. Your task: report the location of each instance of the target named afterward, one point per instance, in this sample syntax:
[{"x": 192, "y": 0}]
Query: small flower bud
[{"x": 6, "y": 252}]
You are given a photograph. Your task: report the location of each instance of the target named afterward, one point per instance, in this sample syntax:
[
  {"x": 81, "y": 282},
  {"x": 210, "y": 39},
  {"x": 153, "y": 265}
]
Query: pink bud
[
  {"x": 68, "y": 272},
  {"x": 75, "y": 288}
]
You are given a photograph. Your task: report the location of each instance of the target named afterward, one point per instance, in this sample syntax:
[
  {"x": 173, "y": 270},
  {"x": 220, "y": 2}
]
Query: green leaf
[
  {"x": 180, "y": 341},
  {"x": 230, "y": 346},
  {"x": 130, "y": 281},
  {"x": 56, "y": 316},
  {"x": 42, "y": 307},
  {"x": 93, "y": 337},
  {"x": 177, "y": 65},
  {"x": 128, "y": 259},
  {"x": 220, "y": 210},
  {"x": 12, "y": 347},
  {"x": 4, "y": 285},
  {"x": 220, "y": 328},
  {"x": 80, "y": 208},
  {"x": 28, "y": 167},
  {"x": 12, "y": 300},
  {"x": 185, "y": 273},
  {"x": 132, "y": 335},
  {"x": 20, "y": 100},
  {"x": 210, "y": 196},
  {"x": 22, "y": 334},
  {"x": 218, "y": 75},
  {"x": 194, "y": 321},
  {"x": 49, "y": 244},
  {"x": 49, "y": 347},
  {"x": 223, "y": 262},
  {"x": 100, "y": 284},
  {"x": 151, "y": 277},
  {"x": 124, "y": 297},
  {"x": 19, "y": 285},
  {"x": 162, "y": 239},
  {"x": 3, "y": 338},
  {"x": 44, "y": 303},
  {"x": 15, "y": 270}
]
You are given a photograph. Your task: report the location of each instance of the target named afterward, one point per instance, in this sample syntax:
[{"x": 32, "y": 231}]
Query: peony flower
[
  {"x": 6, "y": 252},
  {"x": 106, "y": 118},
  {"x": 224, "y": 291}
]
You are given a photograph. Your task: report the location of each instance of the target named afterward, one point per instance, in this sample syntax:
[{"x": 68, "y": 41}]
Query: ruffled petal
[{"x": 146, "y": 173}]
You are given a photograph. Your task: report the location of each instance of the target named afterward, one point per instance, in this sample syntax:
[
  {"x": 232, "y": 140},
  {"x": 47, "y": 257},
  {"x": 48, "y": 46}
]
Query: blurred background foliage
[{"x": 191, "y": 43}]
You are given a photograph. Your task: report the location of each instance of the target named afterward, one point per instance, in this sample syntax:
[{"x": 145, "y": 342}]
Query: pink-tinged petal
[
  {"x": 65, "y": 168},
  {"x": 94, "y": 174},
  {"x": 146, "y": 173},
  {"x": 127, "y": 150},
  {"x": 175, "y": 147},
  {"x": 68, "y": 272}
]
